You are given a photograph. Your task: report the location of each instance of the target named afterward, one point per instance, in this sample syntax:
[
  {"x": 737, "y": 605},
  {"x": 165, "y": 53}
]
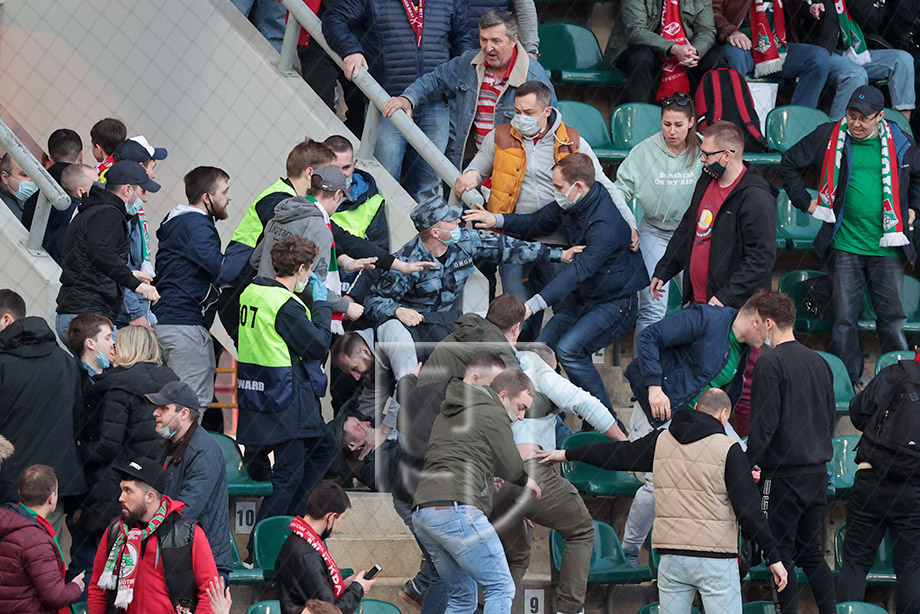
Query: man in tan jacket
[{"x": 704, "y": 490}]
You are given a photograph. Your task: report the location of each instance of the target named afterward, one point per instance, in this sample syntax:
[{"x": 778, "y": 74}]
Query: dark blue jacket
[
  {"x": 380, "y": 30},
  {"x": 188, "y": 261},
  {"x": 477, "y": 8},
  {"x": 683, "y": 353},
  {"x": 197, "y": 476},
  {"x": 606, "y": 270},
  {"x": 809, "y": 152}
]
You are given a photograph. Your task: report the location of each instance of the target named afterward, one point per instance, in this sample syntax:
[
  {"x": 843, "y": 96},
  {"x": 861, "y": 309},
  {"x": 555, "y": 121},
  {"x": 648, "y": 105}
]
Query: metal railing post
[
  {"x": 378, "y": 97},
  {"x": 39, "y": 220},
  {"x": 289, "y": 47},
  {"x": 371, "y": 129}
]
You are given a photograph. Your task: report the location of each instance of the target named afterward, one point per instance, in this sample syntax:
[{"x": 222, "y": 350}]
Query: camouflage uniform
[{"x": 437, "y": 289}]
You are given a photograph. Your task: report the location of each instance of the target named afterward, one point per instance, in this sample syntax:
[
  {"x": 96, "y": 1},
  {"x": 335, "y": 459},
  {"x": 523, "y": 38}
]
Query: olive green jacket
[{"x": 640, "y": 18}]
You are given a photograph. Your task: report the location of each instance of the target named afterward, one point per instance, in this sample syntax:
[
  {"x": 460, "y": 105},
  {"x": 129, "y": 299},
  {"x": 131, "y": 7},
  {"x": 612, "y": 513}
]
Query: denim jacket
[{"x": 459, "y": 80}]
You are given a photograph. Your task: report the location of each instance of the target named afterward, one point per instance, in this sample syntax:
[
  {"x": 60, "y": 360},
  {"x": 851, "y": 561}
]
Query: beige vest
[{"x": 692, "y": 509}]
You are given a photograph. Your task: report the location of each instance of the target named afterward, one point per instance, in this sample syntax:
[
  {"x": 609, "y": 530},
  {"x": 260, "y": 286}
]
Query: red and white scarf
[
  {"x": 673, "y": 76},
  {"x": 302, "y": 529},
  {"x": 892, "y": 224},
  {"x": 416, "y": 18},
  {"x": 768, "y": 39}
]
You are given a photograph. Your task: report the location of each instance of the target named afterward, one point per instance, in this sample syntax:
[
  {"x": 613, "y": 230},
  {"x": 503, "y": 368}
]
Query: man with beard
[{"x": 151, "y": 559}]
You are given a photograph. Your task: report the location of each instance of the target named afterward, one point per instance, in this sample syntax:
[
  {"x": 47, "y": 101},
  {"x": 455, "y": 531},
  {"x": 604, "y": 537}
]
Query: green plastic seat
[
  {"x": 239, "y": 484},
  {"x": 760, "y": 573},
  {"x": 795, "y": 229},
  {"x": 81, "y": 607},
  {"x": 653, "y": 608},
  {"x": 910, "y": 299},
  {"x": 898, "y": 118},
  {"x": 793, "y": 284},
  {"x": 592, "y": 480},
  {"x": 590, "y": 125},
  {"x": 240, "y": 574},
  {"x": 843, "y": 388},
  {"x": 608, "y": 563},
  {"x": 882, "y": 571},
  {"x": 265, "y": 607},
  {"x": 843, "y": 464},
  {"x": 765, "y": 158},
  {"x": 632, "y": 123},
  {"x": 268, "y": 537},
  {"x": 675, "y": 297},
  {"x": 375, "y": 606},
  {"x": 758, "y": 607},
  {"x": 637, "y": 210},
  {"x": 859, "y": 607},
  {"x": 888, "y": 359},
  {"x": 571, "y": 54},
  {"x": 787, "y": 125}
]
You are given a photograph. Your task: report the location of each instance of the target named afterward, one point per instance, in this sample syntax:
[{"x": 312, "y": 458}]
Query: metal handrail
[
  {"x": 302, "y": 15},
  {"x": 52, "y": 195}
]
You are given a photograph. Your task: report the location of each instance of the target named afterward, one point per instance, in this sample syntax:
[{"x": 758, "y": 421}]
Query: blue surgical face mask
[
  {"x": 525, "y": 124},
  {"x": 103, "y": 360},
  {"x": 167, "y": 432},
  {"x": 769, "y": 339},
  {"x": 135, "y": 207},
  {"x": 26, "y": 189},
  {"x": 349, "y": 181},
  {"x": 455, "y": 236}
]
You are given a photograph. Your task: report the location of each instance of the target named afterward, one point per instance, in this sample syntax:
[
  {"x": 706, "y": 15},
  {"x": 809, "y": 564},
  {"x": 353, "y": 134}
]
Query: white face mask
[
  {"x": 301, "y": 285},
  {"x": 525, "y": 124},
  {"x": 563, "y": 199}
]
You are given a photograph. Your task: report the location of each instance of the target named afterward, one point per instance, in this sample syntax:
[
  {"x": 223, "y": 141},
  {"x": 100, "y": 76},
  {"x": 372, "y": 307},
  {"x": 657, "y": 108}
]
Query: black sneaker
[{"x": 411, "y": 595}]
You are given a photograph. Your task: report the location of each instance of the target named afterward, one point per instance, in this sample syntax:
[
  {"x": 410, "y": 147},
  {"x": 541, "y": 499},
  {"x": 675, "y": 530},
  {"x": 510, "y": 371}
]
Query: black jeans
[
  {"x": 795, "y": 513},
  {"x": 643, "y": 71},
  {"x": 321, "y": 74},
  {"x": 878, "y": 504}
]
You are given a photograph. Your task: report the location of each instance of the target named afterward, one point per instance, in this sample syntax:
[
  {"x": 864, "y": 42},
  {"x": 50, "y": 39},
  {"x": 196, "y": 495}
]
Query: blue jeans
[
  {"x": 850, "y": 273},
  {"x": 268, "y": 18},
  {"x": 538, "y": 275},
  {"x": 427, "y": 580},
  {"x": 680, "y": 577},
  {"x": 895, "y": 65},
  {"x": 401, "y": 160},
  {"x": 466, "y": 551},
  {"x": 654, "y": 242},
  {"x": 810, "y": 64},
  {"x": 576, "y": 332}
]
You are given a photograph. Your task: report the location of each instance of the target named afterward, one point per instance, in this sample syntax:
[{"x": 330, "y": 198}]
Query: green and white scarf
[{"x": 854, "y": 43}]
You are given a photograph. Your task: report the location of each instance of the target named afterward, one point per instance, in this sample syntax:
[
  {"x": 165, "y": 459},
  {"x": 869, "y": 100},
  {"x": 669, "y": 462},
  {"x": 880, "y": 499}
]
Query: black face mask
[
  {"x": 714, "y": 170},
  {"x": 327, "y": 532},
  {"x": 209, "y": 207}
]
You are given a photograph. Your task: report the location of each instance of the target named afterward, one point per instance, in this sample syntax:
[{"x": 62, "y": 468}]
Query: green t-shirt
[
  {"x": 727, "y": 374},
  {"x": 861, "y": 228}
]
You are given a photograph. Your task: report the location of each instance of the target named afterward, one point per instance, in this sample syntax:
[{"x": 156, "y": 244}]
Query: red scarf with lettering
[
  {"x": 673, "y": 76},
  {"x": 303, "y": 530},
  {"x": 416, "y": 18}
]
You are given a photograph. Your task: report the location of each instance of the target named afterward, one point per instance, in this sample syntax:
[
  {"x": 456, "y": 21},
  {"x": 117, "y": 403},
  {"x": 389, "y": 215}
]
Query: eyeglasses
[
  {"x": 680, "y": 100},
  {"x": 706, "y": 154},
  {"x": 862, "y": 120}
]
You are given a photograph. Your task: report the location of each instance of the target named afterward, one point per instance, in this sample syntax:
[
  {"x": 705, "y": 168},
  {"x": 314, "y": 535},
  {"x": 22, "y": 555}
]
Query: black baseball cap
[
  {"x": 867, "y": 99},
  {"x": 179, "y": 393},
  {"x": 144, "y": 470},
  {"x": 133, "y": 151},
  {"x": 126, "y": 172}
]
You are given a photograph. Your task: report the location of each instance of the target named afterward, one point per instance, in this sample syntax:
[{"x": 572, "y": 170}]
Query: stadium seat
[
  {"x": 843, "y": 389},
  {"x": 882, "y": 571},
  {"x": 653, "y": 608},
  {"x": 888, "y": 359},
  {"x": 592, "y": 480},
  {"x": 758, "y": 607},
  {"x": 269, "y": 535},
  {"x": 859, "y": 607},
  {"x": 787, "y": 125},
  {"x": 375, "y": 606},
  {"x": 632, "y": 123},
  {"x": 910, "y": 298},
  {"x": 590, "y": 125},
  {"x": 793, "y": 284},
  {"x": 795, "y": 229},
  {"x": 239, "y": 484},
  {"x": 843, "y": 464},
  {"x": 265, "y": 607},
  {"x": 636, "y": 208},
  {"x": 608, "y": 563},
  {"x": 80, "y": 607},
  {"x": 571, "y": 54},
  {"x": 898, "y": 118},
  {"x": 760, "y": 573},
  {"x": 240, "y": 574},
  {"x": 675, "y": 297}
]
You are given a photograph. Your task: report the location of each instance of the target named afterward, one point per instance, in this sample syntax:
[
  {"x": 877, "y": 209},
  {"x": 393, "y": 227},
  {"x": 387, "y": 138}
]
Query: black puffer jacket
[
  {"x": 302, "y": 576},
  {"x": 127, "y": 431},
  {"x": 380, "y": 30},
  {"x": 39, "y": 401},
  {"x": 94, "y": 266}
]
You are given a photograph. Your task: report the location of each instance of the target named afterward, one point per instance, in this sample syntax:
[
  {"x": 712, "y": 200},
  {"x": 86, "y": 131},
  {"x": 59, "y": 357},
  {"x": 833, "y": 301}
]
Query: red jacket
[
  {"x": 30, "y": 568},
  {"x": 150, "y": 595}
]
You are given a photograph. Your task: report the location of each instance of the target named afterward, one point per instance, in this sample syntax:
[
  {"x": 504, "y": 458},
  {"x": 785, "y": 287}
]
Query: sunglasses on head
[{"x": 680, "y": 100}]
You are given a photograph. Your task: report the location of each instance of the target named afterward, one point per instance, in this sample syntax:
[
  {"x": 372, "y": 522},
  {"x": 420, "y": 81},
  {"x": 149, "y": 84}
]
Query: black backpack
[
  {"x": 723, "y": 95},
  {"x": 895, "y": 425}
]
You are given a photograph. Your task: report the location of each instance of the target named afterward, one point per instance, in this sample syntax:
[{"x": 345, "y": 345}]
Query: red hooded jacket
[{"x": 150, "y": 594}]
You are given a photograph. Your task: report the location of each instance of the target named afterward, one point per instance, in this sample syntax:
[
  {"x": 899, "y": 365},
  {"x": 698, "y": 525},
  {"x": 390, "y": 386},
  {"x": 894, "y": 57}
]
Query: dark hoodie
[
  {"x": 40, "y": 401},
  {"x": 472, "y": 334},
  {"x": 94, "y": 263},
  {"x": 470, "y": 442},
  {"x": 688, "y": 427}
]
